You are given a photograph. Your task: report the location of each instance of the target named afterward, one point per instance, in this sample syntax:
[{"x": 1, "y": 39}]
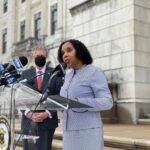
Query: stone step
[
  {"x": 126, "y": 143},
  {"x": 58, "y": 135},
  {"x": 57, "y": 144},
  {"x": 144, "y": 121}
]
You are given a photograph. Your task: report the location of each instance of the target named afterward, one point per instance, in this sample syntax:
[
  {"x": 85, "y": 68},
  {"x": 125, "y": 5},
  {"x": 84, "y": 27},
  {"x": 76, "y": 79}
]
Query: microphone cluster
[{"x": 9, "y": 73}]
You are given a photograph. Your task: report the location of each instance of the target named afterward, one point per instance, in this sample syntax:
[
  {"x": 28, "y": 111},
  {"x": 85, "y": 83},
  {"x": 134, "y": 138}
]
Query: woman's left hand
[{"x": 74, "y": 100}]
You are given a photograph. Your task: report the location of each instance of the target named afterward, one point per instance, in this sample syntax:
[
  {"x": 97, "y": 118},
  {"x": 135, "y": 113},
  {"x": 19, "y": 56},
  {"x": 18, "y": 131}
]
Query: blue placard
[
  {"x": 17, "y": 63},
  {"x": 1, "y": 68}
]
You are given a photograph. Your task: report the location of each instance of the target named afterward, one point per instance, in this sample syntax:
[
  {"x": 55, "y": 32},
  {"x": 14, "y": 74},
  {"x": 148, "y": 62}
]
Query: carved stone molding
[
  {"x": 25, "y": 45},
  {"x": 85, "y": 5}
]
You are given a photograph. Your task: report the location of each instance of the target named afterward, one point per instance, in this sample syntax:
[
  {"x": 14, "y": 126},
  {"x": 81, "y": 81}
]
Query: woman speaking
[{"x": 87, "y": 84}]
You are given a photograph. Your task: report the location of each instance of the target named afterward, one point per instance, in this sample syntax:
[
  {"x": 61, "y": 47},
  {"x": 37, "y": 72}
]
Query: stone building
[{"x": 117, "y": 33}]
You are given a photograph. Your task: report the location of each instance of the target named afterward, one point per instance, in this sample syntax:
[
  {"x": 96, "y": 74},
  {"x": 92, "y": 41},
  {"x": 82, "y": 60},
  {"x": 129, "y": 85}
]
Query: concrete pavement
[
  {"x": 128, "y": 131},
  {"x": 127, "y": 136}
]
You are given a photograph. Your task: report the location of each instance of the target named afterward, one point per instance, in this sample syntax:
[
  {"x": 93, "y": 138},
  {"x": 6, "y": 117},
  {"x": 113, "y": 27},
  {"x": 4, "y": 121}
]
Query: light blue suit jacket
[{"x": 89, "y": 86}]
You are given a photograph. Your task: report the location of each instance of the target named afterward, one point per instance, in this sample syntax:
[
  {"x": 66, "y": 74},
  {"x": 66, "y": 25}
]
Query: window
[
  {"x": 22, "y": 1},
  {"x": 37, "y": 25},
  {"x": 22, "y": 30},
  {"x": 53, "y": 19},
  {"x": 5, "y": 6},
  {"x": 4, "y": 41}
]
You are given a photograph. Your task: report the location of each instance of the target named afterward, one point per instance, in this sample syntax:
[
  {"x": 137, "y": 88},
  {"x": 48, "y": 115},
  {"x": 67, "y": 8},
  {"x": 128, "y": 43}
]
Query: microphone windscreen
[
  {"x": 63, "y": 65},
  {"x": 23, "y": 60},
  {"x": 10, "y": 68},
  {"x": 5, "y": 65}
]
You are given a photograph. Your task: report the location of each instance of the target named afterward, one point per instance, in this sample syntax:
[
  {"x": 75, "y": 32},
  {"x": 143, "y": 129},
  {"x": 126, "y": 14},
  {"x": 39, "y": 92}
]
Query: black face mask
[{"x": 40, "y": 61}]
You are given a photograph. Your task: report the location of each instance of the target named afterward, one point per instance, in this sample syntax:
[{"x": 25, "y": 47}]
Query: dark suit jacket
[{"x": 54, "y": 89}]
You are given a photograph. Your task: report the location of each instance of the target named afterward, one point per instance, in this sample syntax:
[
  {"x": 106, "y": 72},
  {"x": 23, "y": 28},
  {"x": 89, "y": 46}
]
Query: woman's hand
[{"x": 74, "y": 100}]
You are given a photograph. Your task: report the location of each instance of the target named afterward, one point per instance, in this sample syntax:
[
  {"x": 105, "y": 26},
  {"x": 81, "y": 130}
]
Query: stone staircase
[{"x": 110, "y": 141}]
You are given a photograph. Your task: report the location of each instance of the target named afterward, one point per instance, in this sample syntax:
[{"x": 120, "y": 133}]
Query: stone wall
[{"x": 117, "y": 33}]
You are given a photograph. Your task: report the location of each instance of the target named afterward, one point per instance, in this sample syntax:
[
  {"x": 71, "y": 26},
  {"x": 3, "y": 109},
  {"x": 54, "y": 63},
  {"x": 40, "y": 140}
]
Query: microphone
[
  {"x": 60, "y": 69},
  {"x": 10, "y": 74},
  {"x": 28, "y": 80},
  {"x": 12, "y": 78},
  {"x": 3, "y": 67},
  {"x": 17, "y": 64}
]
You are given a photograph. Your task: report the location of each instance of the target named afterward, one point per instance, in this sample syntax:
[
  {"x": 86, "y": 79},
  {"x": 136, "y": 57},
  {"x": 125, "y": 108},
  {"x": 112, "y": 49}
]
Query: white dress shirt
[{"x": 37, "y": 73}]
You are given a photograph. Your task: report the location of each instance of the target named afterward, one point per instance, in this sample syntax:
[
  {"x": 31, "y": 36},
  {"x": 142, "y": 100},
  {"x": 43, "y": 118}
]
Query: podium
[
  {"x": 20, "y": 97},
  {"x": 26, "y": 97}
]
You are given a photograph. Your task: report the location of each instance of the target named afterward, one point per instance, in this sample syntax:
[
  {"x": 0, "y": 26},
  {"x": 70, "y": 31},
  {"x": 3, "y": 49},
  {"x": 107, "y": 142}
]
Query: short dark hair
[{"x": 82, "y": 53}]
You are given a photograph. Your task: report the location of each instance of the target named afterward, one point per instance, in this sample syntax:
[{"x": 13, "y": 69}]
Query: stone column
[
  {"x": 28, "y": 18},
  {"x": 142, "y": 57}
]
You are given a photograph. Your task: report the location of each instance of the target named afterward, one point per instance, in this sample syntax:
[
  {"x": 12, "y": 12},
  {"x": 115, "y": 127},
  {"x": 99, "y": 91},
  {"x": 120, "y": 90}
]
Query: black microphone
[
  {"x": 10, "y": 74},
  {"x": 15, "y": 65},
  {"x": 30, "y": 80},
  {"x": 12, "y": 78},
  {"x": 3, "y": 67},
  {"x": 60, "y": 69}
]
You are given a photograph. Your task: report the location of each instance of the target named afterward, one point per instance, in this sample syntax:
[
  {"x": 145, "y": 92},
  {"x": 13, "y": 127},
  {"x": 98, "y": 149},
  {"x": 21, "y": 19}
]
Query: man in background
[{"x": 40, "y": 122}]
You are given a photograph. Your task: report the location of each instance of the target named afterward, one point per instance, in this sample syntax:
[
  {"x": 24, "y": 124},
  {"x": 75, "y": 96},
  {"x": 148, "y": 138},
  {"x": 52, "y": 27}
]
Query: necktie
[{"x": 39, "y": 80}]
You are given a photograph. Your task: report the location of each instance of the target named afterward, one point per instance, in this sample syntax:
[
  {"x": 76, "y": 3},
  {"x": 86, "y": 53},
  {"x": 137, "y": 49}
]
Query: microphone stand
[
  {"x": 45, "y": 94},
  {"x": 26, "y": 80}
]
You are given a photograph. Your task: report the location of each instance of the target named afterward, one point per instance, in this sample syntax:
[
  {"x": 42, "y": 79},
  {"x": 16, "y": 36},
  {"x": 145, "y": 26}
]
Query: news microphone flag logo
[{"x": 17, "y": 63}]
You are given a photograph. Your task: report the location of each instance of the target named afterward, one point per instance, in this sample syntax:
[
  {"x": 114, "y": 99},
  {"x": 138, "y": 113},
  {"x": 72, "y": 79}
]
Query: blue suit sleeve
[{"x": 102, "y": 97}]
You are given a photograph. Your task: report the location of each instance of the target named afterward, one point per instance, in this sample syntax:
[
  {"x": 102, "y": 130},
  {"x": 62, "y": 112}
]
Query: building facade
[{"x": 117, "y": 33}]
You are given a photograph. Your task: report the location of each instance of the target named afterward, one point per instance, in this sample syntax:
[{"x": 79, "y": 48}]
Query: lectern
[{"x": 19, "y": 97}]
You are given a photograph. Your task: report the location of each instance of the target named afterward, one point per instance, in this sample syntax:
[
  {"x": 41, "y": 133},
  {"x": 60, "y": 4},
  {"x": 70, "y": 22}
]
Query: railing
[{"x": 25, "y": 45}]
